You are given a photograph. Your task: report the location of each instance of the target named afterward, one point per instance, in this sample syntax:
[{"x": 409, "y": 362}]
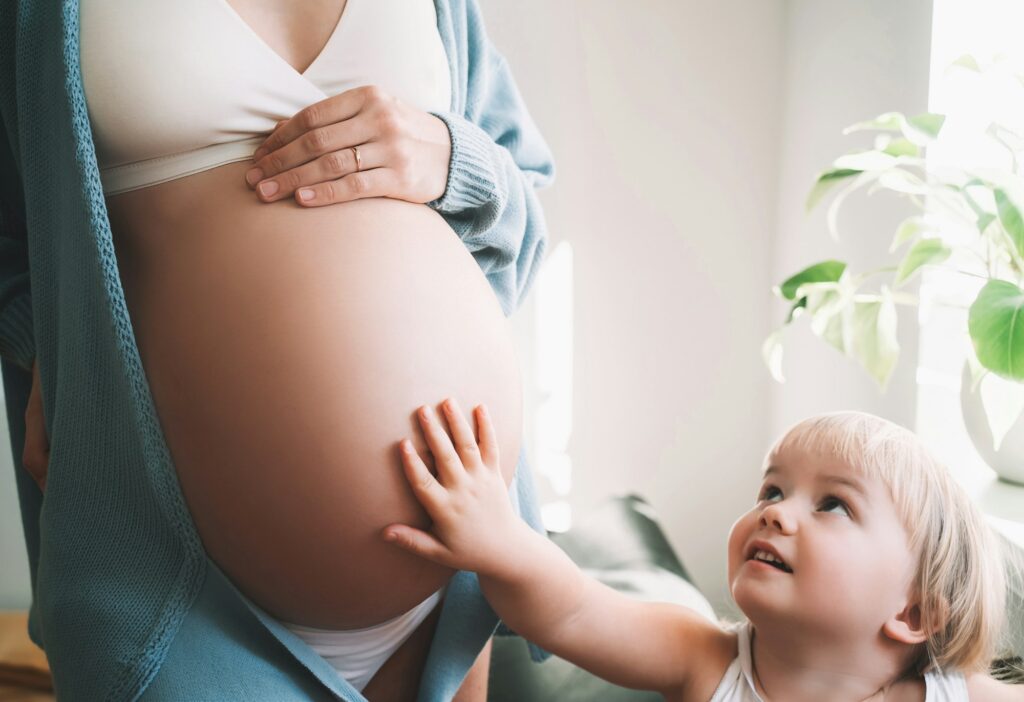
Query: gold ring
[{"x": 359, "y": 160}]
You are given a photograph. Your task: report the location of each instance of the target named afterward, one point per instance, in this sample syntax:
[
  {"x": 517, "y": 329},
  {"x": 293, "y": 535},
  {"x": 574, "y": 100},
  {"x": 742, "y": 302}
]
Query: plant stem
[{"x": 963, "y": 272}]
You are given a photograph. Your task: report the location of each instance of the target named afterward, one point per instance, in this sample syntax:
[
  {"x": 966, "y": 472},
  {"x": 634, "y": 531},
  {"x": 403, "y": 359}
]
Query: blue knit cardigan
[{"x": 126, "y": 602}]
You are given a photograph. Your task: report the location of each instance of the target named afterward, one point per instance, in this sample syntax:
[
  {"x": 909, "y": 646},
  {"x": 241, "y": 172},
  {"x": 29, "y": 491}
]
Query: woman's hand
[
  {"x": 35, "y": 456},
  {"x": 403, "y": 152},
  {"x": 475, "y": 525}
]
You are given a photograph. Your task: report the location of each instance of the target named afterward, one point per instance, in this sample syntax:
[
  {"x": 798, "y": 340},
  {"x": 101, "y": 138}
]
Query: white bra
[{"x": 174, "y": 87}]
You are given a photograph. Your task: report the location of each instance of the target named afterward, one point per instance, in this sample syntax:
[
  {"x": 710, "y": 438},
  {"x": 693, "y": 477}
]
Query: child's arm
[{"x": 531, "y": 583}]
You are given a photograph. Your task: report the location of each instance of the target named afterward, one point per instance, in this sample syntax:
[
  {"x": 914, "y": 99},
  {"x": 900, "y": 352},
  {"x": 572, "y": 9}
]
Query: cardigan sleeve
[
  {"x": 17, "y": 339},
  {"x": 498, "y": 158}
]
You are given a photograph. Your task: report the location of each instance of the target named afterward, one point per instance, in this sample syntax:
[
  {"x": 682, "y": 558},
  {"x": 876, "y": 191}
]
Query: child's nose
[{"x": 775, "y": 516}]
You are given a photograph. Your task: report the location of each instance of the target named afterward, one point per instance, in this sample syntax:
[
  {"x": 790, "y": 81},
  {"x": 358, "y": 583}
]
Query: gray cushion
[{"x": 620, "y": 544}]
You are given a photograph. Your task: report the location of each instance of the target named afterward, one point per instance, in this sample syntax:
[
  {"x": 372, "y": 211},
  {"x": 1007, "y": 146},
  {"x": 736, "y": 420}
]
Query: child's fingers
[
  {"x": 462, "y": 433},
  {"x": 419, "y": 542},
  {"x": 446, "y": 460},
  {"x": 425, "y": 487},
  {"x": 488, "y": 438}
]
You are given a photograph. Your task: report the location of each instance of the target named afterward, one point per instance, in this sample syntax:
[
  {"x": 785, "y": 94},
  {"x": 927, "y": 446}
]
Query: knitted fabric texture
[{"x": 115, "y": 559}]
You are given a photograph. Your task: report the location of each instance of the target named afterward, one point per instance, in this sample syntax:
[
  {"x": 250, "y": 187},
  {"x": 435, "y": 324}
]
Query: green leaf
[
  {"x": 1009, "y": 217},
  {"x": 923, "y": 252},
  {"x": 771, "y": 352},
  {"x": 967, "y": 61},
  {"x": 824, "y": 272},
  {"x": 796, "y": 309},
  {"x": 985, "y": 219},
  {"x": 920, "y": 130},
  {"x": 890, "y": 122},
  {"x": 967, "y": 190},
  {"x": 825, "y": 182},
  {"x": 825, "y": 298},
  {"x": 925, "y": 126},
  {"x": 901, "y": 181},
  {"x": 835, "y": 330},
  {"x": 908, "y": 229},
  {"x": 1003, "y": 402},
  {"x": 829, "y": 305},
  {"x": 902, "y": 147},
  {"x": 865, "y": 161},
  {"x": 874, "y": 337},
  {"x": 996, "y": 325},
  {"x": 832, "y": 214}
]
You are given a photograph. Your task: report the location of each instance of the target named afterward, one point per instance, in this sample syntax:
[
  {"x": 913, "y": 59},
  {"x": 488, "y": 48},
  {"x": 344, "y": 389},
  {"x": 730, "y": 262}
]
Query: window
[
  {"x": 544, "y": 331},
  {"x": 987, "y": 30}
]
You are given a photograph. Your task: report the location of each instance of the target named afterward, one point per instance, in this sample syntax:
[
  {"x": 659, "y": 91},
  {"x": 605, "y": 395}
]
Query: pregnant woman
[{"x": 221, "y": 363}]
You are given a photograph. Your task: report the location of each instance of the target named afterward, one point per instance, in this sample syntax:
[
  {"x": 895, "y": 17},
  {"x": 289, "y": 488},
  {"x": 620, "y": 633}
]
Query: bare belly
[{"x": 287, "y": 349}]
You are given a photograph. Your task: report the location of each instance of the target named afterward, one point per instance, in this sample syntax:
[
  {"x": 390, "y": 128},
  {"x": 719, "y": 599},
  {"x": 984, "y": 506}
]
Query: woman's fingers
[
  {"x": 334, "y": 109},
  {"x": 488, "y": 438},
  {"x": 35, "y": 455},
  {"x": 462, "y": 434},
  {"x": 419, "y": 542},
  {"x": 376, "y": 182},
  {"x": 446, "y": 460}
]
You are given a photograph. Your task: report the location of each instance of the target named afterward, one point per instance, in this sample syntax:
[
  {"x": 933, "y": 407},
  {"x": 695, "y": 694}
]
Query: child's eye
[
  {"x": 768, "y": 491},
  {"x": 831, "y": 502}
]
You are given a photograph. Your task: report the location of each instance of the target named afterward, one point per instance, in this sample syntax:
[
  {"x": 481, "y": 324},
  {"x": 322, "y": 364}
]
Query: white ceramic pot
[{"x": 1008, "y": 461}]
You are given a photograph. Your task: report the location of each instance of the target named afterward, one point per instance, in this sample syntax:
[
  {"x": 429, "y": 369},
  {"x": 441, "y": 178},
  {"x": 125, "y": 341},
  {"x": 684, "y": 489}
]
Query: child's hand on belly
[{"x": 474, "y": 522}]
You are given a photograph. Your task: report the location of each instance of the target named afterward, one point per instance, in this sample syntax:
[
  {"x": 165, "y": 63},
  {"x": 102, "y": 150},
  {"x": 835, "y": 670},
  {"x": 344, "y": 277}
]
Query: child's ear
[{"x": 907, "y": 626}]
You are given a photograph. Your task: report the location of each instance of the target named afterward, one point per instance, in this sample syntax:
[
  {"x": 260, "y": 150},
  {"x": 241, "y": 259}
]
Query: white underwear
[{"x": 357, "y": 654}]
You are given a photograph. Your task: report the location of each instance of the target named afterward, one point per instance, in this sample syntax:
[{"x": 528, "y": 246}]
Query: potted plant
[{"x": 967, "y": 220}]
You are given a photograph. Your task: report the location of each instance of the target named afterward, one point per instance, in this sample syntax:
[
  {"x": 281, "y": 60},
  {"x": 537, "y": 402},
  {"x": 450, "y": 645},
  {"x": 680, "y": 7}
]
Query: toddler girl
[{"x": 865, "y": 573}]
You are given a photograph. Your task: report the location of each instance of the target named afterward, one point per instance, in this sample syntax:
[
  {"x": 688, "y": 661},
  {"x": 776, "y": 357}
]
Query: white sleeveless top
[
  {"x": 737, "y": 684},
  {"x": 174, "y": 87}
]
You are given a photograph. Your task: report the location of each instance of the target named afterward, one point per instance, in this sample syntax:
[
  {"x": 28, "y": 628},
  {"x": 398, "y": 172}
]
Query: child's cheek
[{"x": 740, "y": 533}]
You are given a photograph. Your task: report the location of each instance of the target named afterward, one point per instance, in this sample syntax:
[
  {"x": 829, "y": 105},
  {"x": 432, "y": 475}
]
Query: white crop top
[
  {"x": 737, "y": 685},
  {"x": 174, "y": 87}
]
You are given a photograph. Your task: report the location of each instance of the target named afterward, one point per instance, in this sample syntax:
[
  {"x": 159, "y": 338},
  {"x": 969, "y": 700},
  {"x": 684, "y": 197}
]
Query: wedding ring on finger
[{"x": 359, "y": 159}]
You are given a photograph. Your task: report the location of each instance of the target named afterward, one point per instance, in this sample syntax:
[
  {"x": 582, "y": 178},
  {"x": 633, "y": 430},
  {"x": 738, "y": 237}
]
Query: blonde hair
[{"x": 963, "y": 566}]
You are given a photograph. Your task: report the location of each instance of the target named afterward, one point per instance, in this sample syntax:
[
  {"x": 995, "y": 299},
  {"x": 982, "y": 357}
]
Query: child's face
[{"x": 848, "y": 567}]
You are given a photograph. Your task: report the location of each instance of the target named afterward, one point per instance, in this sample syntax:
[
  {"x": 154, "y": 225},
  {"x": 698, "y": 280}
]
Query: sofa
[{"x": 620, "y": 544}]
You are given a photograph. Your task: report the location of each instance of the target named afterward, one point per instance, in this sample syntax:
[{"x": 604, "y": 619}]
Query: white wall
[
  {"x": 15, "y": 590},
  {"x": 686, "y": 135},
  {"x": 664, "y": 117},
  {"x": 845, "y": 63}
]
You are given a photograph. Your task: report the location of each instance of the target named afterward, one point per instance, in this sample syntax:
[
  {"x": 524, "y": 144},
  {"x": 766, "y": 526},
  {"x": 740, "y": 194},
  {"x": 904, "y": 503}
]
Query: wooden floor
[{"x": 11, "y": 694}]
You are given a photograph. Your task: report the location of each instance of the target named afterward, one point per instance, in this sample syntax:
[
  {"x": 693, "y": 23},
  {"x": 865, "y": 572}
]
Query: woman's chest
[
  {"x": 163, "y": 79},
  {"x": 297, "y": 32}
]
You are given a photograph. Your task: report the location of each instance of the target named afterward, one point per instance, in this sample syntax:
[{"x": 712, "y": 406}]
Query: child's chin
[{"x": 757, "y": 603}]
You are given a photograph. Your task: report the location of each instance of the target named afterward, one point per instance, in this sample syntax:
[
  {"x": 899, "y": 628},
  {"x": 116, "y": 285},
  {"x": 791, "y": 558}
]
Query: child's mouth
[{"x": 770, "y": 559}]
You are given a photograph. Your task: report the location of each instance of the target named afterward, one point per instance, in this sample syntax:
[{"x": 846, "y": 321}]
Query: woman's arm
[
  {"x": 498, "y": 158},
  {"x": 532, "y": 584}
]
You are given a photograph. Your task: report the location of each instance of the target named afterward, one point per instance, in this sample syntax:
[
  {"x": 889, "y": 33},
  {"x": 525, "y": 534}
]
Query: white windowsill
[{"x": 1000, "y": 501}]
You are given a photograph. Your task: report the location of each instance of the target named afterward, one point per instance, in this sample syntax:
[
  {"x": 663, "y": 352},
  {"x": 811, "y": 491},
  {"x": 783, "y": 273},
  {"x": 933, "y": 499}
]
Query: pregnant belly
[{"x": 287, "y": 349}]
